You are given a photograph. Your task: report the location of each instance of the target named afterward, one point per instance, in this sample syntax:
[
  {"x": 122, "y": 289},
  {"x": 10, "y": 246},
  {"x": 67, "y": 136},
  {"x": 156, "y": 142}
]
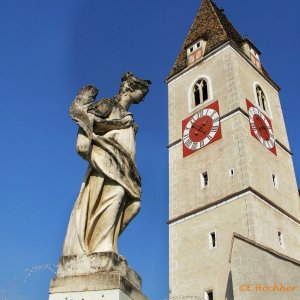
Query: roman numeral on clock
[
  {"x": 214, "y": 128},
  {"x": 188, "y": 143}
]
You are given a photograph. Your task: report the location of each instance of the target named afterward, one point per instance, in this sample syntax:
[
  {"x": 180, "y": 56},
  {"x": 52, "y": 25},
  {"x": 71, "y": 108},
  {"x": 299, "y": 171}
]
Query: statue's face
[
  {"x": 138, "y": 95},
  {"x": 134, "y": 88}
]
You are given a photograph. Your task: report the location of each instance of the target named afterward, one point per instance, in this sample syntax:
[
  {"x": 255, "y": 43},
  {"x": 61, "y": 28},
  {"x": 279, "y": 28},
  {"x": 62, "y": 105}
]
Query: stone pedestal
[{"x": 97, "y": 276}]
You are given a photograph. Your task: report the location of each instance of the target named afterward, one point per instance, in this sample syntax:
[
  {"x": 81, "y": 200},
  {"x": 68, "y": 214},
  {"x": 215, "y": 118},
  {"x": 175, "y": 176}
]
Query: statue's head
[{"x": 136, "y": 87}]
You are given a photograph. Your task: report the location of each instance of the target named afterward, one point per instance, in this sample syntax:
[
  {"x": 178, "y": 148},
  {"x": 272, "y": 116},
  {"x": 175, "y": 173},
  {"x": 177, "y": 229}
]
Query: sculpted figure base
[{"x": 96, "y": 275}]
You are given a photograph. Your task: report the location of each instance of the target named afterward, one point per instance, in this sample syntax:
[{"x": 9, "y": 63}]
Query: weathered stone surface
[
  {"x": 232, "y": 79},
  {"x": 109, "y": 199},
  {"x": 103, "y": 262},
  {"x": 95, "y": 282},
  {"x": 93, "y": 295},
  {"x": 111, "y": 190},
  {"x": 100, "y": 272},
  {"x": 261, "y": 273}
]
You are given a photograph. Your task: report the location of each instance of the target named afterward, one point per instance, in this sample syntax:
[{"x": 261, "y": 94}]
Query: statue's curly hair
[{"x": 130, "y": 83}]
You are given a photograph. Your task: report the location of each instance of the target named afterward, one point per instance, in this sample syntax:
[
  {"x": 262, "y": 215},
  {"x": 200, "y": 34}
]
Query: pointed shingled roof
[{"x": 212, "y": 25}]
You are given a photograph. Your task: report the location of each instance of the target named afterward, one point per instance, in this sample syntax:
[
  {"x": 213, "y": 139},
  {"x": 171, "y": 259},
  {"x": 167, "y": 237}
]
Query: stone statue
[{"x": 110, "y": 194}]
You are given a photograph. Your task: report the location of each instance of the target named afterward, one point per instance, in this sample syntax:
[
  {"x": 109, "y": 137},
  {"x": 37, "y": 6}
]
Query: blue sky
[{"x": 49, "y": 49}]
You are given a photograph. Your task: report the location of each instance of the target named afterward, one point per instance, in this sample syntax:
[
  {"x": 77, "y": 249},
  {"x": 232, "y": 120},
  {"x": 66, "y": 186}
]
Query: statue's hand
[{"x": 127, "y": 121}]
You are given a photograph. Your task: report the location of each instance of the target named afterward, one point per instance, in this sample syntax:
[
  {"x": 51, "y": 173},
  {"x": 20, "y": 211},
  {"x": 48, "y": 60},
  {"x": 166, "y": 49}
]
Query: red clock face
[
  {"x": 201, "y": 129},
  {"x": 261, "y": 127}
]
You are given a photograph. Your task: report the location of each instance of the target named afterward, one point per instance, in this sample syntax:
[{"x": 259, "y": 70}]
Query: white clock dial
[
  {"x": 261, "y": 127},
  {"x": 201, "y": 129}
]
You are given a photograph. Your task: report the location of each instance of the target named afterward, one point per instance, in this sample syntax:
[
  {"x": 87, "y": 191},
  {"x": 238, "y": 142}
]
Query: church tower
[{"x": 234, "y": 205}]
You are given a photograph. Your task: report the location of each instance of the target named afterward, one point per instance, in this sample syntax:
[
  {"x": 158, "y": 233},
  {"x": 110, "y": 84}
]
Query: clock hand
[
  {"x": 198, "y": 129},
  {"x": 262, "y": 124},
  {"x": 203, "y": 124},
  {"x": 262, "y": 127}
]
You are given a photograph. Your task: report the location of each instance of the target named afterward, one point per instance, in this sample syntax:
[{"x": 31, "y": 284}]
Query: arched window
[
  {"x": 261, "y": 98},
  {"x": 200, "y": 92}
]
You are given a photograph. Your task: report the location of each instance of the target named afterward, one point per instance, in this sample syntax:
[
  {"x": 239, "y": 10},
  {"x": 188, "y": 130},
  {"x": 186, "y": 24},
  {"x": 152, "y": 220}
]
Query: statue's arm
[
  {"x": 83, "y": 144},
  {"x": 102, "y": 126}
]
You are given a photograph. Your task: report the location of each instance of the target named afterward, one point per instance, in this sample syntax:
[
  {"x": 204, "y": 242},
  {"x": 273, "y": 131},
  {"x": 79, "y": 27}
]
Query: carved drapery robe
[{"x": 110, "y": 187}]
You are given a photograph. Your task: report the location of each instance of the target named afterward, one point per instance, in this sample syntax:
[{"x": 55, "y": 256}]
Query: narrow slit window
[
  {"x": 231, "y": 172},
  {"x": 212, "y": 240},
  {"x": 204, "y": 179},
  {"x": 209, "y": 295},
  {"x": 200, "y": 92},
  {"x": 280, "y": 239},
  {"x": 274, "y": 180}
]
